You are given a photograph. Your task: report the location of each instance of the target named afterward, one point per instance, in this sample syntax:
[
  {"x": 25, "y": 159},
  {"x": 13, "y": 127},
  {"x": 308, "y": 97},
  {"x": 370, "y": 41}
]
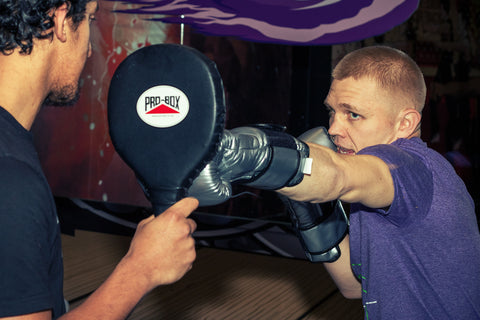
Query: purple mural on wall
[{"x": 312, "y": 22}]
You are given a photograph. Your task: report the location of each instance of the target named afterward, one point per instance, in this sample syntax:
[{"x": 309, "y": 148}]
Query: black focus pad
[{"x": 166, "y": 115}]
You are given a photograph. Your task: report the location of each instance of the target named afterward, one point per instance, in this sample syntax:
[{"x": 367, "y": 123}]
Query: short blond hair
[{"x": 392, "y": 69}]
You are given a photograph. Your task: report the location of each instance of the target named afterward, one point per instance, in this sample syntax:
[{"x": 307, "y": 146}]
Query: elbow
[{"x": 351, "y": 294}]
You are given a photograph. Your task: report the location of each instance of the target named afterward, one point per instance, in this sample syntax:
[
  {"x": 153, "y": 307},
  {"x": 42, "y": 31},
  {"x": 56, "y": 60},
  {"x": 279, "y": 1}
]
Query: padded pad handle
[{"x": 166, "y": 115}]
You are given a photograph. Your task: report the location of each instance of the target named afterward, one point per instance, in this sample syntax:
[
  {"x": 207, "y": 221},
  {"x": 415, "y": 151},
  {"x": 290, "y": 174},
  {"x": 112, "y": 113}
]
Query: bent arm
[
  {"x": 115, "y": 298},
  {"x": 355, "y": 179},
  {"x": 161, "y": 252},
  {"x": 341, "y": 273}
]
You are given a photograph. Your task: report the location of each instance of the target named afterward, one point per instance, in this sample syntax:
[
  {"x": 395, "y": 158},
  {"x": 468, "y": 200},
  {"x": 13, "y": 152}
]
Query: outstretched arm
[
  {"x": 355, "y": 179},
  {"x": 360, "y": 178}
]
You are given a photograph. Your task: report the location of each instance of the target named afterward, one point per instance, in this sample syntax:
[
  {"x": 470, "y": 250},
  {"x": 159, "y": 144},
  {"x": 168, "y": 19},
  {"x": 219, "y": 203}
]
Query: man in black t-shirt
[{"x": 44, "y": 45}]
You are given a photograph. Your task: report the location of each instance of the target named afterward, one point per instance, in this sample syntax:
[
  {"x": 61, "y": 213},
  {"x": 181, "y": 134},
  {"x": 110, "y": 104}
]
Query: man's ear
[
  {"x": 60, "y": 21},
  {"x": 409, "y": 125}
]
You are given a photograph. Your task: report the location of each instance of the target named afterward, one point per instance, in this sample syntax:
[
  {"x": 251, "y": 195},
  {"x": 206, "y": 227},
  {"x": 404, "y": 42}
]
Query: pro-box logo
[{"x": 163, "y": 106}]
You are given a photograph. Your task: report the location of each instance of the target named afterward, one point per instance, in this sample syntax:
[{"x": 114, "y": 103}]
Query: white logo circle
[{"x": 163, "y": 106}]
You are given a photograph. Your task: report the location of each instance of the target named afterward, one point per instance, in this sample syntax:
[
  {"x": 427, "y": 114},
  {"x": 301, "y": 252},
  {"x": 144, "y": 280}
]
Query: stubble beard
[{"x": 65, "y": 96}]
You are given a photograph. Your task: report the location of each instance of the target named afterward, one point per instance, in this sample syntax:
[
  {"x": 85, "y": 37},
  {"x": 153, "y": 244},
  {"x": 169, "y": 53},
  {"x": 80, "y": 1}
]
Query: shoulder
[
  {"x": 17, "y": 173},
  {"x": 23, "y": 189},
  {"x": 399, "y": 152},
  {"x": 408, "y": 161}
]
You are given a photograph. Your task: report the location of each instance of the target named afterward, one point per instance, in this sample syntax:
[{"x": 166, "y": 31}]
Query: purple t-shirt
[{"x": 420, "y": 259}]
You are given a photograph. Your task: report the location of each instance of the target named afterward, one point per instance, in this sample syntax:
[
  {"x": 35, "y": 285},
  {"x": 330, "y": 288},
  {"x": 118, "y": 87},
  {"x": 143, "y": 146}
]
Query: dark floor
[{"x": 223, "y": 284}]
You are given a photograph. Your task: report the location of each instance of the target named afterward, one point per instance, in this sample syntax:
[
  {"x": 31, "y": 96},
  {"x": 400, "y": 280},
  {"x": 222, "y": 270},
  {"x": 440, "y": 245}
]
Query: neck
[{"x": 23, "y": 85}]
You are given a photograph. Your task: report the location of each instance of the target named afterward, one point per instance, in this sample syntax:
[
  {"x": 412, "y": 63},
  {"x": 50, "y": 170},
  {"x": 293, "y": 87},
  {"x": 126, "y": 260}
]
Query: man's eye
[{"x": 354, "y": 116}]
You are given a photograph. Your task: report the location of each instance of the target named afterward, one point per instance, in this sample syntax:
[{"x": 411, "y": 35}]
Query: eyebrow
[
  {"x": 350, "y": 107},
  {"x": 344, "y": 106}
]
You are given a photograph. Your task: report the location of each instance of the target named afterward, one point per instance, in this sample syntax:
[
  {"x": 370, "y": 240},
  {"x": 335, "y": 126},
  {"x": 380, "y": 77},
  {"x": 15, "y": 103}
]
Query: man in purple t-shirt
[{"x": 413, "y": 251}]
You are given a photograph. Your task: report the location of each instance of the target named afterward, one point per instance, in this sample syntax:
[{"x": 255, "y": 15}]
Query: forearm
[
  {"x": 161, "y": 252},
  {"x": 325, "y": 181},
  {"x": 342, "y": 274},
  {"x": 361, "y": 178},
  {"x": 116, "y": 297}
]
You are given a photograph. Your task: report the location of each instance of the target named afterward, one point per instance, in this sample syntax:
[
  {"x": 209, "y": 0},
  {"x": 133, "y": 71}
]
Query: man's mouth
[{"x": 342, "y": 150}]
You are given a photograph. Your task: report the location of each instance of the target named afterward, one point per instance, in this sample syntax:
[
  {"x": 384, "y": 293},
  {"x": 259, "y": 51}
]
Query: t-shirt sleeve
[
  {"x": 24, "y": 248},
  {"x": 413, "y": 183}
]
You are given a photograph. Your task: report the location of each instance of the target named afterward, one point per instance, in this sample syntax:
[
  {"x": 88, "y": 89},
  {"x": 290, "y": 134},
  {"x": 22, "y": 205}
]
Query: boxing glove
[
  {"x": 262, "y": 156},
  {"x": 320, "y": 227}
]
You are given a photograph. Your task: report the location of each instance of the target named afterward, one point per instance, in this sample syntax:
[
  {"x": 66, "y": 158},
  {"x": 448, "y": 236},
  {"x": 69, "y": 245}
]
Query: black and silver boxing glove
[
  {"x": 262, "y": 156},
  {"x": 320, "y": 227}
]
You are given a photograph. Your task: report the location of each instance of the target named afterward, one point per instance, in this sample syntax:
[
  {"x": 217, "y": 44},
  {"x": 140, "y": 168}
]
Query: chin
[{"x": 66, "y": 97}]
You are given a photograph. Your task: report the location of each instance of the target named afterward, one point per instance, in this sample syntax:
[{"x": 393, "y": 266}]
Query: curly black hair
[{"x": 22, "y": 21}]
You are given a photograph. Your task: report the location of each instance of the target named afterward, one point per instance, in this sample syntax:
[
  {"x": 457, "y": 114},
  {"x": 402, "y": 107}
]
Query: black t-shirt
[{"x": 31, "y": 267}]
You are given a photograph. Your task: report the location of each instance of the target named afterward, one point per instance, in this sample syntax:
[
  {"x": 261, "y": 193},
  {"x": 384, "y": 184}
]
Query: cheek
[
  {"x": 368, "y": 134},
  {"x": 382, "y": 133}
]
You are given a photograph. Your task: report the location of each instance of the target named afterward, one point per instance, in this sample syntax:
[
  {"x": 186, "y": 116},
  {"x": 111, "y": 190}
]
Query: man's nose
[
  {"x": 89, "y": 53},
  {"x": 335, "y": 127}
]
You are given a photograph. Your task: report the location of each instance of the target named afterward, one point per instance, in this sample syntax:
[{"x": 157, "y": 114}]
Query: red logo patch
[{"x": 162, "y": 109}]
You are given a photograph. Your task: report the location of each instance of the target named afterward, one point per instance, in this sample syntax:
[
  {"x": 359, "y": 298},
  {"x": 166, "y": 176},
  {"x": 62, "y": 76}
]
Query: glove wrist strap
[{"x": 287, "y": 160}]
